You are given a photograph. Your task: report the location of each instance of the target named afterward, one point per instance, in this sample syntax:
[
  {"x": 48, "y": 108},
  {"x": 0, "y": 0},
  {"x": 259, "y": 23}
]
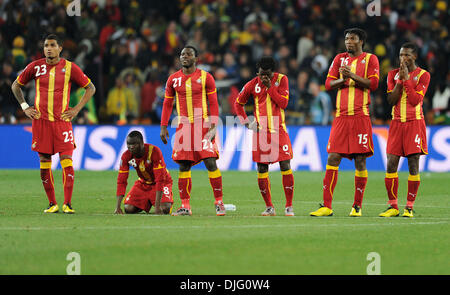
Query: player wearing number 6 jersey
[
  {"x": 51, "y": 116},
  {"x": 154, "y": 186},
  {"x": 354, "y": 74},
  {"x": 271, "y": 143},
  {"x": 194, "y": 92},
  {"x": 406, "y": 87}
]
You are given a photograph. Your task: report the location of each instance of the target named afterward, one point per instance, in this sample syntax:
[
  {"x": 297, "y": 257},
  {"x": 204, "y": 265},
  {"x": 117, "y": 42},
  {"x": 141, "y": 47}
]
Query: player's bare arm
[
  {"x": 164, "y": 134},
  {"x": 73, "y": 112},
  {"x": 30, "y": 112},
  {"x": 118, "y": 205},
  {"x": 211, "y": 132},
  {"x": 335, "y": 84}
]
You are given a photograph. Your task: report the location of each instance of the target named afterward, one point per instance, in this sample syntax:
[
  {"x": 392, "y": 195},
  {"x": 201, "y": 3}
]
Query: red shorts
[
  {"x": 190, "y": 144},
  {"x": 406, "y": 138},
  {"x": 271, "y": 148},
  {"x": 143, "y": 195},
  {"x": 52, "y": 137},
  {"x": 351, "y": 135}
]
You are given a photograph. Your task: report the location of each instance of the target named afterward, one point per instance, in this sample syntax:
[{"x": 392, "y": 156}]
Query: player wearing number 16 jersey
[
  {"x": 51, "y": 116},
  {"x": 406, "y": 88},
  {"x": 354, "y": 74},
  {"x": 194, "y": 91}
]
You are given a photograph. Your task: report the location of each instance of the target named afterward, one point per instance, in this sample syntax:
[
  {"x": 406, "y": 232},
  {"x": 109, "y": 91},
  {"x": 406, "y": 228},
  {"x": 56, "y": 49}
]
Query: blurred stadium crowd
[{"x": 129, "y": 48}]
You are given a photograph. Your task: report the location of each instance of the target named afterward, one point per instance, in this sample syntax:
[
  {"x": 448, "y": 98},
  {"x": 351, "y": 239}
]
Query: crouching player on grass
[{"x": 154, "y": 186}]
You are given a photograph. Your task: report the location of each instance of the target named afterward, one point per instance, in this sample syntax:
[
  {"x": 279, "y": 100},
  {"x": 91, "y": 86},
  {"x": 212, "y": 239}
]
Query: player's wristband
[{"x": 24, "y": 106}]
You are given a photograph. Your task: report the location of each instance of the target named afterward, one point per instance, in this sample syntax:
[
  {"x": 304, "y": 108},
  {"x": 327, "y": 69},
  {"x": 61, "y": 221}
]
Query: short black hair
[
  {"x": 411, "y": 46},
  {"x": 266, "y": 63},
  {"x": 193, "y": 48},
  {"x": 137, "y": 134},
  {"x": 54, "y": 37},
  {"x": 359, "y": 32}
]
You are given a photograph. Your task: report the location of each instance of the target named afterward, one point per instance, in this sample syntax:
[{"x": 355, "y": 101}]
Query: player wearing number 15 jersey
[
  {"x": 51, "y": 116},
  {"x": 354, "y": 74},
  {"x": 406, "y": 88},
  {"x": 194, "y": 91}
]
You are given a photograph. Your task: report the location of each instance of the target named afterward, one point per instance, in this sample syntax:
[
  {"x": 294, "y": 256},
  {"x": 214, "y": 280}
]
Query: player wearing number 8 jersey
[
  {"x": 354, "y": 74},
  {"x": 194, "y": 92},
  {"x": 51, "y": 116},
  {"x": 406, "y": 87},
  {"x": 154, "y": 186},
  {"x": 271, "y": 143}
]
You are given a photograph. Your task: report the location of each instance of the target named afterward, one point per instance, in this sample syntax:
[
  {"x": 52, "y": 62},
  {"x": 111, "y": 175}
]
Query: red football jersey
[
  {"x": 53, "y": 84},
  {"x": 192, "y": 94},
  {"x": 352, "y": 100},
  {"x": 150, "y": 168},
  {"x": 409, "y": 106},
  {"x": 269, "y": 103}
]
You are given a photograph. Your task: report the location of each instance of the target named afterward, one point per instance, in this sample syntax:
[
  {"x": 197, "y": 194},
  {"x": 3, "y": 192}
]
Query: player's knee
[
  {"x": 210, "y": 164},
  {"x": 263, "y": 168},
  {"x": 165, "y": 208},
  {"x": 185, "y": 166},
  {"x": 334, "y": 159},
  {"x": 360, "y": 162},
  {"x": 413, "y": 164},
  {"x": 285, "y": 165},
  {"x": 130, "y": 209}
]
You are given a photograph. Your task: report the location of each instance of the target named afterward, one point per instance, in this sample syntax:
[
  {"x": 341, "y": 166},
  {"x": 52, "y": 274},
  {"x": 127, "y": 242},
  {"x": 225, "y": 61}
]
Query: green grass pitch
[{"x": 240, "y": 243}]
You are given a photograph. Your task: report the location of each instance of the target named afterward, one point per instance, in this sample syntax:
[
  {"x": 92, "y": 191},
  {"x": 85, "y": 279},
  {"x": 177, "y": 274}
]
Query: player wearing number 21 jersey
[
  {"x": 51, "y": 116},
  {"x": 194, "y": 92},
  {"x": 354, "y": 74}
]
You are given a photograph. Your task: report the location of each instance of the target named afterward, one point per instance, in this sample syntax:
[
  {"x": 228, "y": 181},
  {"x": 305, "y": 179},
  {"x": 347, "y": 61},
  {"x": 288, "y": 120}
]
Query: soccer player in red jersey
[
  {"x": 154, "y": 186},
  {"x": 406, "y": 88},
  {"x": 354, "y": 74},
  {"x": 271, "y": 143},
  {"x": 51, "y": 126},
  {"x": 193, "y": 90}
]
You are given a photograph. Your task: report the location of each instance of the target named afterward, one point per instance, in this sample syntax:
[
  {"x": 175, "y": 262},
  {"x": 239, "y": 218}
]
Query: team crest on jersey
[
  {"x": 199, "y": 80},
  {"x": 363, "y": 61},
  {"x": 132, "y": 162},
  {"x": 415, "y": 78},
  {"x": 63, "y": 70},
  {"x": 276, "y": 83}
]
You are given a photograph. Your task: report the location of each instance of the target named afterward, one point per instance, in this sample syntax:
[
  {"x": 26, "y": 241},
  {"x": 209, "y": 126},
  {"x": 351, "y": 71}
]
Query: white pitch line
[{"x": 212, "y": 227}]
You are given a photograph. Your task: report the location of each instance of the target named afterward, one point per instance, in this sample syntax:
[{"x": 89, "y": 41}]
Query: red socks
[
  {"x": 391, "y": 183},
  {"x": 264, "y": 188},
  {"x": 185, "y": 187},
  {"x": 413, "y": 188},
  {"x": 288, "y": 186},
  {"x": 68, "y": 179},
  {"x": 47, "y": 181},
  {"x": 215, "y": 179},
  {"x": 329, "y": 183},
  {"x": 360, "y": 186}
]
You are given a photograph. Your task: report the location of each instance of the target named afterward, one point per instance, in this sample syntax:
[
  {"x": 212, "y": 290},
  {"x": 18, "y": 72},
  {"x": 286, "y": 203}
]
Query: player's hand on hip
[
  {"x": 211, "y": 133},
  {"x": 69, "y": 114},
  {"x": 32, "y": 113},
  {"x": 164, "y": 134}
]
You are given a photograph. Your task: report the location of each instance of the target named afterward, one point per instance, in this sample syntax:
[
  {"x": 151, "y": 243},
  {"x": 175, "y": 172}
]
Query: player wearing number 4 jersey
[
  {"x": 194, "y": 91},
  {"x": 51, "y": 116},
  {"x": 407, "y": 86},
  {"x": 154, "y": 186},
  {"x": 271, "y": 143},
  {"x": 354, "y": 74}
]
